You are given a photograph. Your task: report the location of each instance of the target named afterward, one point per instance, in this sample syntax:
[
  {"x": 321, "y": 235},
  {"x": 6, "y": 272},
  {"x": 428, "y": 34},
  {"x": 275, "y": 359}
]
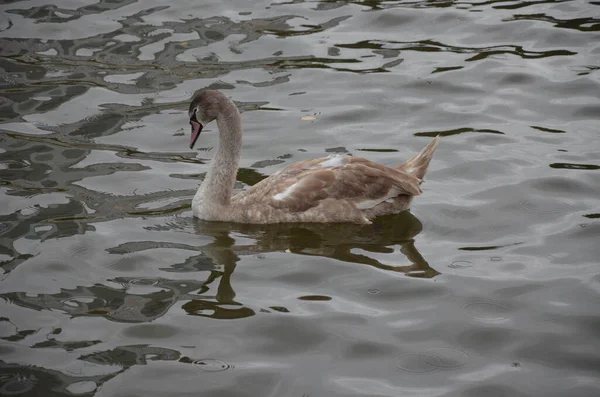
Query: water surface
[{"x": 489, "y": 286}]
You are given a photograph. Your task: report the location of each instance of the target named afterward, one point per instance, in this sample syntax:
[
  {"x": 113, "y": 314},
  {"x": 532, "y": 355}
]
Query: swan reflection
[
  {"x": 345, "y": 242},
  {"x": 138, "y": 300}
]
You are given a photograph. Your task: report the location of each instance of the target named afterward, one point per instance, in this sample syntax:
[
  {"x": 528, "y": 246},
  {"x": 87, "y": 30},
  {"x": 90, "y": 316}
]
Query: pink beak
[{"x": 196, "y": 130}]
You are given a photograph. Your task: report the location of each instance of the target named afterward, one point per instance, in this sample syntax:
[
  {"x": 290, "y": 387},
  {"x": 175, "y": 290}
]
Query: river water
[{"x": 488, "y": 287}]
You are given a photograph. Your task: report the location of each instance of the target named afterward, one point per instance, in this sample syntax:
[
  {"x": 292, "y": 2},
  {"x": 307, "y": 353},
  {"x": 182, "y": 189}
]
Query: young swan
[{"x": 338, "y": 188}]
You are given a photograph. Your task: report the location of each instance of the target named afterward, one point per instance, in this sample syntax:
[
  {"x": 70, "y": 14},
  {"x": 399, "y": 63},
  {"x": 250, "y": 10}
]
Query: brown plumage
[{"x": 337, "y": 188}]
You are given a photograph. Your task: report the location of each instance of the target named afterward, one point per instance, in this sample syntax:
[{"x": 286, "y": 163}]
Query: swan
[{"x": 338, "y": 188}]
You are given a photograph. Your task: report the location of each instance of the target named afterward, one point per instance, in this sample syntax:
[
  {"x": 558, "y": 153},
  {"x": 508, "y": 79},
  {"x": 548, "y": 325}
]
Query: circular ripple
[
  {"x": 373, "y": 291},
  {"x": 445, "y": 357},
  {"x": 487, "y": 310},
  {"x": 460, "y": 264},
  {"x": 545, "y": 206},
  {"x": 82, "y": 387},
  {"x": 415, "y": 363},
  {"x": 143, "y": 282},
  {"x": 498, "y": 266},
  {"x": 212, "y": 365}
]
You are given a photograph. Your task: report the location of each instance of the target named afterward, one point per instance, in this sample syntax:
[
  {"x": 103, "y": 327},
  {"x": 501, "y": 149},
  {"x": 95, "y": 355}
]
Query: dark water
[{"x": 489, "y": 287}]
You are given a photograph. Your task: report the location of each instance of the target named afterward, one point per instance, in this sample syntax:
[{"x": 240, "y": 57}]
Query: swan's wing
[{"x": 303, "y": 185}]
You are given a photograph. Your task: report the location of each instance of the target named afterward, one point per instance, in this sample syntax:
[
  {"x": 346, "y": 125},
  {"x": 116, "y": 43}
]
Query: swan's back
[{"x": 338, "y": 188}]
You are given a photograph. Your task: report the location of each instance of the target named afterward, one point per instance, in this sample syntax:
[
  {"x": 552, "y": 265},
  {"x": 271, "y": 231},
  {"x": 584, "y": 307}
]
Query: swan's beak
[{"x": 196, "y": 130}]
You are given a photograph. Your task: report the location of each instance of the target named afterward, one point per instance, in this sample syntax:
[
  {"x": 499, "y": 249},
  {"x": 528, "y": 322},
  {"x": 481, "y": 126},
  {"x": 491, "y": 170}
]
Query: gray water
[{"x": 488, "y": 287}]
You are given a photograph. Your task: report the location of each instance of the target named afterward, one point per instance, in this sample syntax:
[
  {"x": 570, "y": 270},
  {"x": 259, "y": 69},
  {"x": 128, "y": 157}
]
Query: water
[{"x": 490, "y": 286}]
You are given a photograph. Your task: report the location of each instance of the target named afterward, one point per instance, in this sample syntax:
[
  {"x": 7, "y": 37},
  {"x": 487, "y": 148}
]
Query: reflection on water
[
  {"x": 489, "y": 286},
  {"x": 153, "y": 297},
  {"x": 33, "y": 380}
]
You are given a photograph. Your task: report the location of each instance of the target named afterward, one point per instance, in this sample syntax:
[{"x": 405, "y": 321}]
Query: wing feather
[{"x": 305, "y": 184}]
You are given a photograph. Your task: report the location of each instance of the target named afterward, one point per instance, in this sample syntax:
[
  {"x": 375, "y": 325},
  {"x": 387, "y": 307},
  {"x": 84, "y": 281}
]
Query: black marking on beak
[{"x": 196, "y": 129}]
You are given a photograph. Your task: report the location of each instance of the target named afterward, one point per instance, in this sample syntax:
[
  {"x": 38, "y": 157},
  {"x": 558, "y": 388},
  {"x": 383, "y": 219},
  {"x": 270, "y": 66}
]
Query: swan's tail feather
[{"x": 417, "y": 164}]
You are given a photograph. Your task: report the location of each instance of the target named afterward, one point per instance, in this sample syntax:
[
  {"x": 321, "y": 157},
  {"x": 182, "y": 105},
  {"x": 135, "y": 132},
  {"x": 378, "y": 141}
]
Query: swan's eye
[{"x": 193, "y": 118}]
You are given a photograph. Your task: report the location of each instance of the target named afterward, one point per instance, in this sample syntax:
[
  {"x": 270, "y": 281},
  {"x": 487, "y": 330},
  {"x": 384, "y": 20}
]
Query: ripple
[
  {"x": 445, "y": 357},
  {"x": 82, "y": 387},
  {"x": 143, "y": 282},
  {"x": 561, "y": 185},
  {"x": 488, "y": 310},
  {"x": 545, "y": 206},
  {"x": 431, "y": 360},
  {"x": 373, "y": 291},
  {"x": 415, "y": 363},
  {"x": 79, "y": 250},
  {"x": 497, "y": 266},
  {"x": 212, "y": 365},
  {"x": 460, "y": 264},
  {"x": 512, "y": 265},
  {"x": 486, "y": 340}
]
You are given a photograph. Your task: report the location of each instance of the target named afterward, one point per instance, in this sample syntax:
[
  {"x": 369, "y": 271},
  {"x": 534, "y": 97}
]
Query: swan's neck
[{"x": 217, "y": 187}]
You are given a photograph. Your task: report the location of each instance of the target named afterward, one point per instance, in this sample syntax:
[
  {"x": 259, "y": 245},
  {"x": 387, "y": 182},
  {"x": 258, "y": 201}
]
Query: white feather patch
[
  {"x": 286, "y": 193},
  {"x": 333, "y": 161}
]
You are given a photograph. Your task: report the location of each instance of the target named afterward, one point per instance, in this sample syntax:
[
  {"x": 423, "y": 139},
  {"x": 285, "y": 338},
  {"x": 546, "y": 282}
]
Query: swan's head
[{"x": 204, "y": 108}]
